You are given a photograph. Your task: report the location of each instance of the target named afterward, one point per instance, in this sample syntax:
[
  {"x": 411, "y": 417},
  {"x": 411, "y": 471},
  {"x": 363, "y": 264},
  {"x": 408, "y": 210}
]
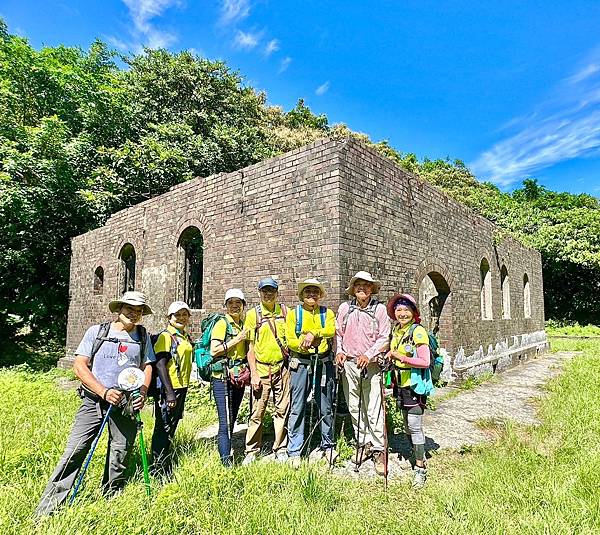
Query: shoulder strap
[
  {"x": 283, "y": 310},
  {"x": 323, "y": 313},
  {"x": 351, "y": 308},
  {"x": 100, "y": 337},
  {"x": 141, "y": 330},
  {"x": 298, "y": 320}
]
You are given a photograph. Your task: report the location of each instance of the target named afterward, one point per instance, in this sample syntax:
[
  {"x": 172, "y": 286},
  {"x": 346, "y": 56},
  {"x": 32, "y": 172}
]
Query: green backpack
[
  {"x": 436, "y": 361},
  {"x": 202, "y": 356}
]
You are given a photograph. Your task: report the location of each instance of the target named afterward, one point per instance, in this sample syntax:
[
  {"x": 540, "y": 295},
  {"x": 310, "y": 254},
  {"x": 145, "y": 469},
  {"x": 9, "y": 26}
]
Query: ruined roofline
[{"x": 469, "y": 212}]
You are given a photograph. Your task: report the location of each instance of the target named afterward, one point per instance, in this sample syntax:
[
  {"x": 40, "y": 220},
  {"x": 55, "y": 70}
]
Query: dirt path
[{"x": 456, "y": 421}]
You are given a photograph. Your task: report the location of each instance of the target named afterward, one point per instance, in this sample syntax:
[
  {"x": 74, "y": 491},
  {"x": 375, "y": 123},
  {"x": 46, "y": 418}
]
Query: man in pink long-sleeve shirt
[{"x": 363, "y": 330}]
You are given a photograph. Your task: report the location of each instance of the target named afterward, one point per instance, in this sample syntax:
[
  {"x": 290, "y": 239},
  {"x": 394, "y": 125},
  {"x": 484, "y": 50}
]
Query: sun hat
[
  {"x": 365, "y": 276},
  {"x": 176, "y": 306},
  {"x": 131, "y": 298},
  {"x": 268, "y": 281},
  {"x": 311, "y": 282},
  {"x": 405, "y": 299},
  {"x": 235, "y": 292}
]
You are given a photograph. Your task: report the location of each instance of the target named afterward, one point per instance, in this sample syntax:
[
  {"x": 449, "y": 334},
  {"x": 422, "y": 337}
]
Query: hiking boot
[
  {"x": 281, "y": 456},
  {"x": 379, "y": 462},
  {"x": 419, "y": 478},
  {"x": 363, "y": 453},
  {"x": 295, "y": 462},
  {"x": 249, "y": 459}
]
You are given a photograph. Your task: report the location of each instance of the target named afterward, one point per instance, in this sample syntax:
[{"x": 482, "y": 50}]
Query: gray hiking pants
[{"x": 122, "y": 430}]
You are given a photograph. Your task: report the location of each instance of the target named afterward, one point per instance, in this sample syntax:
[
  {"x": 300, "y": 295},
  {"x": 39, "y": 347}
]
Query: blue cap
[{"x": 268, "y": 281}]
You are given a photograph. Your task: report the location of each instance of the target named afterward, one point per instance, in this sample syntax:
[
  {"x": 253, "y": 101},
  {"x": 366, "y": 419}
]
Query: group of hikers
[{"x": 287, "y": 355}]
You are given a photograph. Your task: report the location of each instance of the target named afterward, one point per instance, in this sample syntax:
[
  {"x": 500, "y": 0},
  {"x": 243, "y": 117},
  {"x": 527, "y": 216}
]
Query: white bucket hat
[
  {"x": 365, "y": 276},
  {"x": 131, "y": 298},
  {"x": 311, "y": 282},
  {"x": 235, "y": 292},
  {"x": 176, "y": 306}
]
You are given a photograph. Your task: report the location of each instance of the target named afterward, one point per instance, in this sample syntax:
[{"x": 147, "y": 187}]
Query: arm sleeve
[
  {"x": 293, "y": 341},
  {"x": 329, "y": 330},
  {"x": 423, "y": 356},
  {"x": 339, "y": 326},
  {"x": 161, "y": 369},
  {"x": 383, "y": 335}
]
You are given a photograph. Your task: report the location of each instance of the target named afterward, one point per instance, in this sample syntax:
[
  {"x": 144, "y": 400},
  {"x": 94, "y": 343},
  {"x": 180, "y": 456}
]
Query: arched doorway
[{"x": 435, "y": 304}]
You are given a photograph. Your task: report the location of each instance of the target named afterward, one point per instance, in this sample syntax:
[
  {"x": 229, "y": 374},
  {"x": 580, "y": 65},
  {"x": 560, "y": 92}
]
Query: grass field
[{"x": 530, "y": 480}]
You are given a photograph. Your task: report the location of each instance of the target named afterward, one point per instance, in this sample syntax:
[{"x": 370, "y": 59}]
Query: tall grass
[{"x": 531, "y": 480}]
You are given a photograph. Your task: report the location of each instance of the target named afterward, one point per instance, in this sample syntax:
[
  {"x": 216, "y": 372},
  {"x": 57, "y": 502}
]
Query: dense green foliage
[
  {"x": 529, "y": 480},
  {"x": 82, "y": 136}
]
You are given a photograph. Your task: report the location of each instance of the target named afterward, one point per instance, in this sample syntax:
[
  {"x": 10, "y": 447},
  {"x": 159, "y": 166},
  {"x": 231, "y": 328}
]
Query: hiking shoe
[
  {"x": 295, "y": 462},
  {"x": 281, "y": 456},
  {"x": 379, "y": 462},
  {"x": 363, "y": 453},
  {"x": 249, "y": 459},
  {"x": 419, "y": 478}
]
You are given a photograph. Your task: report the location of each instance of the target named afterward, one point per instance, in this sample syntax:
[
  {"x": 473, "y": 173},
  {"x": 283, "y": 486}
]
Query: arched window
[
  {"x": 526, "y": 297},
  {"x": 505, "y": 286},
  {"x": 127, "y": 268},
  {"x": 99, "y": 280},
  {"x": 486, "y": 290},
  {"x": 191, "y": 253}
]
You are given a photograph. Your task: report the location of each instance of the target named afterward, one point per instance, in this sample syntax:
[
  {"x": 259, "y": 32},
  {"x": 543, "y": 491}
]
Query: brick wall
[{"x": 326, "y": 210}]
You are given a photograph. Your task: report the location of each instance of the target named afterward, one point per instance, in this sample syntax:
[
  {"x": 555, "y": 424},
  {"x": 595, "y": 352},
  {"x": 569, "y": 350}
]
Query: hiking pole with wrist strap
[
  {"x": 89, "y": 457},
  {"x": 336, "y": 395},
  {"x": 131, "y": 380},
  {"x": 385, "y": 434},
  {"x": 363, "y": 373},
  {"x": 227, "y": 407},
  {"x": 314, "y": 395}
]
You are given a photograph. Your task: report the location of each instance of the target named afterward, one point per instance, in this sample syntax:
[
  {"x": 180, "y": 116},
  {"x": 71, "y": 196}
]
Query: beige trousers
[
  {"x": 371, "y": 417},
  {"x": 279, "y": 385}
]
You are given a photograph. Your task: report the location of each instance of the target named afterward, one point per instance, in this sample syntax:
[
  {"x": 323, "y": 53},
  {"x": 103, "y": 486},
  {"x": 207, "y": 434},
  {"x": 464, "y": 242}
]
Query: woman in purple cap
[{"x": 409, "y": 352}]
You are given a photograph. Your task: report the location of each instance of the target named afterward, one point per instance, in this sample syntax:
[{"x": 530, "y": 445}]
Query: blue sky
[{"x": 512, "y": 88}]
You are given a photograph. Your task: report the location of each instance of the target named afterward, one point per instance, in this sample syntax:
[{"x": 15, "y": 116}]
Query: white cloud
[
  {"x": 233, "y": 11},
  {"x": 246, "y": 39},
  {"x": 566, "y": 125},
  {"x": 272, "y": 46},
  {"x": 284, "y": 64},
  {"x": 322, "y": 89},
  {"x": 144, "y": 31}
]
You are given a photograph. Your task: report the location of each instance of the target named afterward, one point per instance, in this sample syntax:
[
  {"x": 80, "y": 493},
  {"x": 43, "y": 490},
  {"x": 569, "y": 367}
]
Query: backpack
[
  {"x": 102, "y": 337},
  {"x": 299, "y": 311},
  {"x": 436, "y": 360},
  {"x": 202, "y": 356},
  {"x": 370, "y": 311}
]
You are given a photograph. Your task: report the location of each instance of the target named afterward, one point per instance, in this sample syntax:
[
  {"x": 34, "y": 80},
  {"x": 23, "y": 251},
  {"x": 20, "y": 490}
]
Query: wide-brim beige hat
[
  {"x": 131, "y": 298},
  {"x": 311, "y": 282},
  {"x": 365, "y": 276}
]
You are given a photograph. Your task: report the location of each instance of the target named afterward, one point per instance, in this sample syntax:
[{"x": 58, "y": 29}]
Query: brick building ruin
[{"x": 327, "y": 210}]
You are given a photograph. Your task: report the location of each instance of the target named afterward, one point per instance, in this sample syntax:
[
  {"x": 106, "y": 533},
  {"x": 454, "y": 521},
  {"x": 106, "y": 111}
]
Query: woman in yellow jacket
[{"x": 409, "y": 351}]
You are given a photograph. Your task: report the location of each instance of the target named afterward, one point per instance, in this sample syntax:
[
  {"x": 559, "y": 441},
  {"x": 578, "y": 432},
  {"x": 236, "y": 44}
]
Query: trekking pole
[
  {"x": 314, "y": 393},
  {"x": 131, "y": 380},
  {"x": 227, "y": 405},
  {"x": 140, "y": 426},
  {"x": 336, "y": 394},
  {"x": 89, "y": 457},
  {"x": 363, "y": 373},
  {"x": 385, "y": 434}
]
